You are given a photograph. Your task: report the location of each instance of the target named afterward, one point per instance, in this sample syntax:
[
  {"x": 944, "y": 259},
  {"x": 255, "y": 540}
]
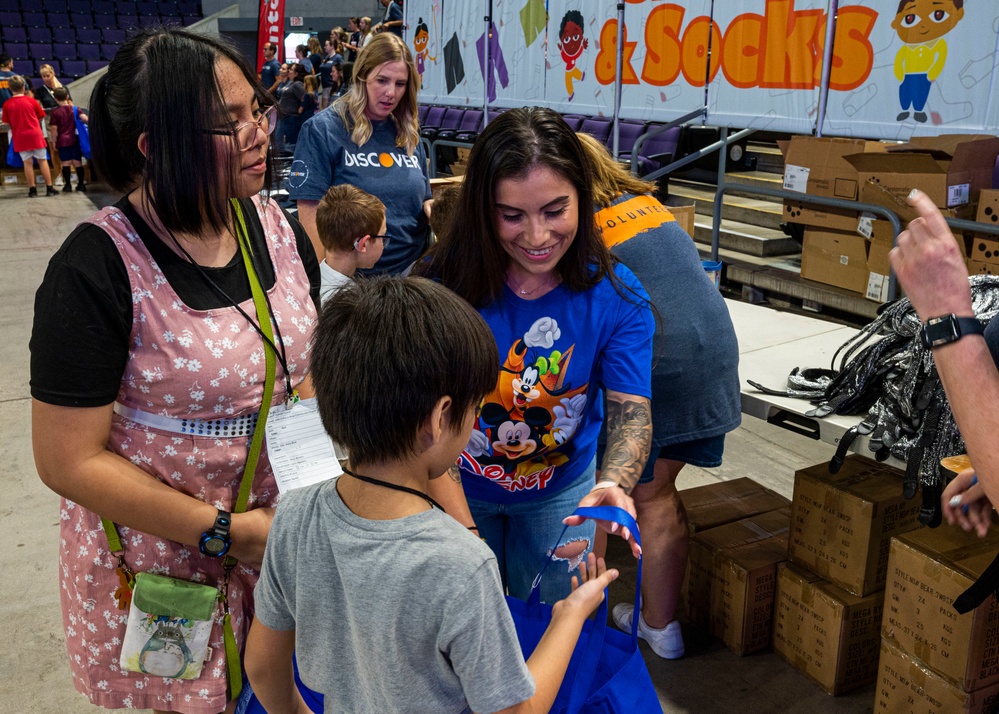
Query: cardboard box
[
  {"x": 442, "y": 182},
  {"x": 951, "y": 169},
  {"x": 988, "y": 206},
  {"x": 732, "y": 578},
  {"x": 835, "y": 258},
  {"x": 976, "y": 267},
  {"x": 927, "y": 570},
  {"x": 684, "y": 215},
  {"x": 842, "y": 524},
  {"x": 817, "y": 165},
  {"x": 825, "y": 632},
  {"x": 812, "y": 214},
  {"x": 905, "y": 685},
  {"x": 720, "y": 503},
  {"x": 463, "y": 154}
]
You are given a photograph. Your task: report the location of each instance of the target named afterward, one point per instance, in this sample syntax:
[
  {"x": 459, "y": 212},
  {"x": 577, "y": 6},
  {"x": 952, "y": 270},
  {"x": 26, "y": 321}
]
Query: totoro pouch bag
[{"x": 169, "y": 624}]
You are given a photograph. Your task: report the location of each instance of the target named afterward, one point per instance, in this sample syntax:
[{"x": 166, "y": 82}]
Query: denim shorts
[
  {"x": 523, "y": 534},
  {"x": 705, "y": 453}
]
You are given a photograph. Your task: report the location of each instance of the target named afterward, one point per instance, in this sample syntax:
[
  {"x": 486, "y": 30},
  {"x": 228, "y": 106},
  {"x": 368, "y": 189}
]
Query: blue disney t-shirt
[
  {"x": 326, "y": 156},
  {"x": 537, "y": 432}
]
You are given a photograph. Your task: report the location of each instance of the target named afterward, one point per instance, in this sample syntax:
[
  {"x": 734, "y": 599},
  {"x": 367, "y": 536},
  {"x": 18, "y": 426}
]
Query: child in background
[
  {"x": 351, "y": 226},
  {"x": 445, "y": 201},
  {"x": 24, "y": 115},
  {"x": 62, "y": 131},
  {"x": 389, "y": 603},
  {"x": 310, "y": 102}
]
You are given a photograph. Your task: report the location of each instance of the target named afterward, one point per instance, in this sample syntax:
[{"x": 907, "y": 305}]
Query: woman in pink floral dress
[{"x": 144, "y": 325}]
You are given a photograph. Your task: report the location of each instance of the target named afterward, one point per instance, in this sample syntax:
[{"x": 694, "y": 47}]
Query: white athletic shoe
[{"x": 667, "y": 642}]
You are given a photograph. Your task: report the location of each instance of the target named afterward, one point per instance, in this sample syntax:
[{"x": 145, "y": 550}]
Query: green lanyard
[{"x": 234, "y": 671}]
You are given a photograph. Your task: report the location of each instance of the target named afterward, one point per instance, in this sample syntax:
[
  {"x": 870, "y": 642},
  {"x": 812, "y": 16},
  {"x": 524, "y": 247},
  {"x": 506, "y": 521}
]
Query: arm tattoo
[
  {"x": 629, "y": 438},
  {"x": 454, "y": 473}
]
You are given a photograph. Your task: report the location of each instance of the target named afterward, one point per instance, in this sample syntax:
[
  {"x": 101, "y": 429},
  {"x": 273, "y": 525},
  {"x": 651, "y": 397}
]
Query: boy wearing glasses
[{"x": 351, "y": 226}]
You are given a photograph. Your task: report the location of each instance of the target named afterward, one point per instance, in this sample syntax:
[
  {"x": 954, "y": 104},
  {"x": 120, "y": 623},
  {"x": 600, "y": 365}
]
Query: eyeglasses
[
  {"x": 385, "y": 240},
  {"x": 246, "y": 133}
]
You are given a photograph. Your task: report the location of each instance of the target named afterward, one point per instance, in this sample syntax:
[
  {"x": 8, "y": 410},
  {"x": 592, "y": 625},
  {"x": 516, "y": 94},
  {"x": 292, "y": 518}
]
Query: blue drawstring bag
[
  {"x": 83, "y": 132},
  {"x": 606, "y": 674},
  {"x": 14, "y": 158}
]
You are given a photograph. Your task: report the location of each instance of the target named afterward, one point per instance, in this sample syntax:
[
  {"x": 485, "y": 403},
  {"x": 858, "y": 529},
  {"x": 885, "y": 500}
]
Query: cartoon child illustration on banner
[
  {"x": 921, "y": 25},
  {"x": 571, "y": 44},
  {"x": 421, "y": 40}
]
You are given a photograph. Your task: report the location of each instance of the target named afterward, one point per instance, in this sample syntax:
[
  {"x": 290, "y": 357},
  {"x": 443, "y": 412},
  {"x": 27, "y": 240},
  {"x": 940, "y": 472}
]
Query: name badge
[{"x": 300, "y": 450}]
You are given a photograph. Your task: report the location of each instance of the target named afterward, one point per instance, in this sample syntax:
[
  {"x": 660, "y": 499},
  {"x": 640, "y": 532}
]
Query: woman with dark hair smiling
[
  {"x": 371, "y": 139},
  {"x": 572, "y": 327},
  {"x": 148, "y": 357}
]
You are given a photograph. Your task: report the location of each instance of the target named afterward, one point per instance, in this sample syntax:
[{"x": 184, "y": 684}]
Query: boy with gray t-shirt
[{"x": 390, "y": 604}]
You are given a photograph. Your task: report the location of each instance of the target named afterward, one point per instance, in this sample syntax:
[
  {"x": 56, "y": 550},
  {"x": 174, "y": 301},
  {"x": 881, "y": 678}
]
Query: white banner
[
  {"x": 517, "y": 53},
  {"x": 581, "y": 57},
  {"x": 926, "y": 69},
  {"x": 423, "y": 22},
  {"x": 766, "y": 64}
]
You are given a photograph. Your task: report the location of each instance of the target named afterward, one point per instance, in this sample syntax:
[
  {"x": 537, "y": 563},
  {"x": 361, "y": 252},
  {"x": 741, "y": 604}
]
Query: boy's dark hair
[
  {"x": 5, "y": 59},
  {"x": 16, "y": 83},
  {"x": 162, "y": 82},
  {"x": 445, "y": 203},
  {"x": 572, "y": 16},
  {"x": 958, "y": 4},
  {"x": 61, "y": 94},
  {"x": 386, "y": 350},
  {"x": 345, "y": 214}
]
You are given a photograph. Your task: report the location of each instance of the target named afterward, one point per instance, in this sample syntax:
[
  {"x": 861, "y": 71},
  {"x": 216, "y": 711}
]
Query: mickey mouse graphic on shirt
[
  {"x": 534, "y": 410},
  {"x": 921, "y": 25},
  {"x": 571, "y": 44}
]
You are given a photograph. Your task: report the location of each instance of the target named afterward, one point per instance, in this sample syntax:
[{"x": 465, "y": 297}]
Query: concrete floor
[{"x": 34, "y": 675}]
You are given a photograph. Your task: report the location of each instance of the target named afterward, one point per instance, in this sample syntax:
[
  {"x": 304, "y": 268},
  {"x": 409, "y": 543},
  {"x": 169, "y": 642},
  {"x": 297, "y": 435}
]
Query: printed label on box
[
  {"x": 866, "y": 225},
  {"x": 10, "y": 178},
  {"x": 844, "y": 260},
  {"x": 796, "y": 178},
  {"x": 958, "y": 195},
  {"x": 877, "y": 287}
]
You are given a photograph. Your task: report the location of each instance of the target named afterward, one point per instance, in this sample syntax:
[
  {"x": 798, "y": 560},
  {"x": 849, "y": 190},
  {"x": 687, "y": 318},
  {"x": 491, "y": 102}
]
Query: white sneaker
[{"x": 667, "y": 642}]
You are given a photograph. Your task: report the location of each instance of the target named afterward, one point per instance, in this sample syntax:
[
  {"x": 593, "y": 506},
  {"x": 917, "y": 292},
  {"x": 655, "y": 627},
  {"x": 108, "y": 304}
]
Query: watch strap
[{"x": 962, "y": 326}]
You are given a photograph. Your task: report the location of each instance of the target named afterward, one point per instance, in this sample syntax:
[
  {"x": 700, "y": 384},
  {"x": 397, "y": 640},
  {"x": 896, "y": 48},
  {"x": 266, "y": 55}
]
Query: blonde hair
[
  {"x": 351, "y": 107},
  {"x": 314, "y": 46},
  {"x": 345, "y": 214},
  {"x": 366, "y": 21},
  {"x": 55, "y": 80},
  {"x": 311, "y": 83},
  {"x": 610, "y": 178}
]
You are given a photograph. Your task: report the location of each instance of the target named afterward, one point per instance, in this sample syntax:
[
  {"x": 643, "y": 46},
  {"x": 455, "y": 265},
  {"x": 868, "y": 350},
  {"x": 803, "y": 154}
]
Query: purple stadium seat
[
  {"x": 88, "y": 52},
  {"x": 167, "y": 7},
  {"x": 94, "y": 65},
  {"x": 74, "y": 68},
  {"x": 39, "y": 34},
  {"x": 471, "y": 125},
  {"x": 147, "y": 8},
  {"x": 108, "y": 51},
  {"x": 113, "y": 35},
  {"x": 10, "y": 6},
  {"x": 88, "y": 36},
  {"x": 65, "y": 81},
  {"x": 33, "y": 19},
  {"x": 126, "y": 8},
  {"x": 64, "y": 35},
  {"x": 433, "y": 119},
  {"x": 18, "y": 51},
  {"x": 995, "y": 174},
  {"x": 58, "y": 19},
  {"x": 421, "y": 113},
  {"x": 628, "y": 132},
  {"x": 66, "y": 50},
  {"x": 597, "y": 127},
  {"x": 574, "y": 120},
  {"x": 149, "y": 20},
  {"x": 11, "y": 19},
  {"x": 82, "y": 20},
  {"x": 102, "y": 8},
  {"x": 56, "y": 65},
  {"x": 79, "y": 6},
  {"x": 13, "y": 34},
  {"x": 659, "y": 150},
  {"x": 126, "y": 22},
  {"x": 451, "y": 120},
  {"x": 187, "y": 20},
  {"x": 39, "y": 49},
  {"x": 189, "y": 9}
]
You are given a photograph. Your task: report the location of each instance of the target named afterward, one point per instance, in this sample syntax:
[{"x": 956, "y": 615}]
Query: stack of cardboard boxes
[
  {"x": 849, "y": 249},
  {"x": 830, "y": 597},
  {"x": 984, "y": 255},
  {"x": 933, "y": 660},
  {"x": 739, "y": 535}
]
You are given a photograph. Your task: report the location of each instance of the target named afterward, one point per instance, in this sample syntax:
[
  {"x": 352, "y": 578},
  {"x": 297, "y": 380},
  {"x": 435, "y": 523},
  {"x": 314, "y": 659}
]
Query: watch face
[{"x": 214, "y": 545}]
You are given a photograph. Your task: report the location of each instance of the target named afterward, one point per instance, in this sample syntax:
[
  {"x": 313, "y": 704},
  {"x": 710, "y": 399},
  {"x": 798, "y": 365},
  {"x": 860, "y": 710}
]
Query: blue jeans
[
  {"x": 522, "y": 535},
  {"x": 914, "y": 91}
]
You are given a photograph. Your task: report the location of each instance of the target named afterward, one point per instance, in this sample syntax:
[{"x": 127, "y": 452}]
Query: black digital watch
[
  {"x": 940, "y": 331},
  {"x": 215, "y": 542}
]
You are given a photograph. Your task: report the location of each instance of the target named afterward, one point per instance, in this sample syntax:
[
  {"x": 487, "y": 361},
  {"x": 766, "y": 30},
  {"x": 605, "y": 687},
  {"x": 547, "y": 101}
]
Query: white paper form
[{"x": 300, "y": 450}]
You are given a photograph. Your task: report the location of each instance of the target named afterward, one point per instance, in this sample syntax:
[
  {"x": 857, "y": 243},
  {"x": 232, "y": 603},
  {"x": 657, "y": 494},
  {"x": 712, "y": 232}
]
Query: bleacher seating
[{"x": 77, "y": 36}]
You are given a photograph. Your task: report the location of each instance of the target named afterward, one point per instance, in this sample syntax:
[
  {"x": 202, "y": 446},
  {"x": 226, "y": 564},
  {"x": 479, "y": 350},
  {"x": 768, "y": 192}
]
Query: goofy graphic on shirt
[
  {"x": 533, "y": 411},
  {"x": 921, "y": 25},
  {"x": 571, "y": 44}
]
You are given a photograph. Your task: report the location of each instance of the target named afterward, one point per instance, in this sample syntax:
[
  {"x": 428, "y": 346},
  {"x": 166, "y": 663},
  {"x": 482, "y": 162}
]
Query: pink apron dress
[{"x": 205, "y": 364}]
